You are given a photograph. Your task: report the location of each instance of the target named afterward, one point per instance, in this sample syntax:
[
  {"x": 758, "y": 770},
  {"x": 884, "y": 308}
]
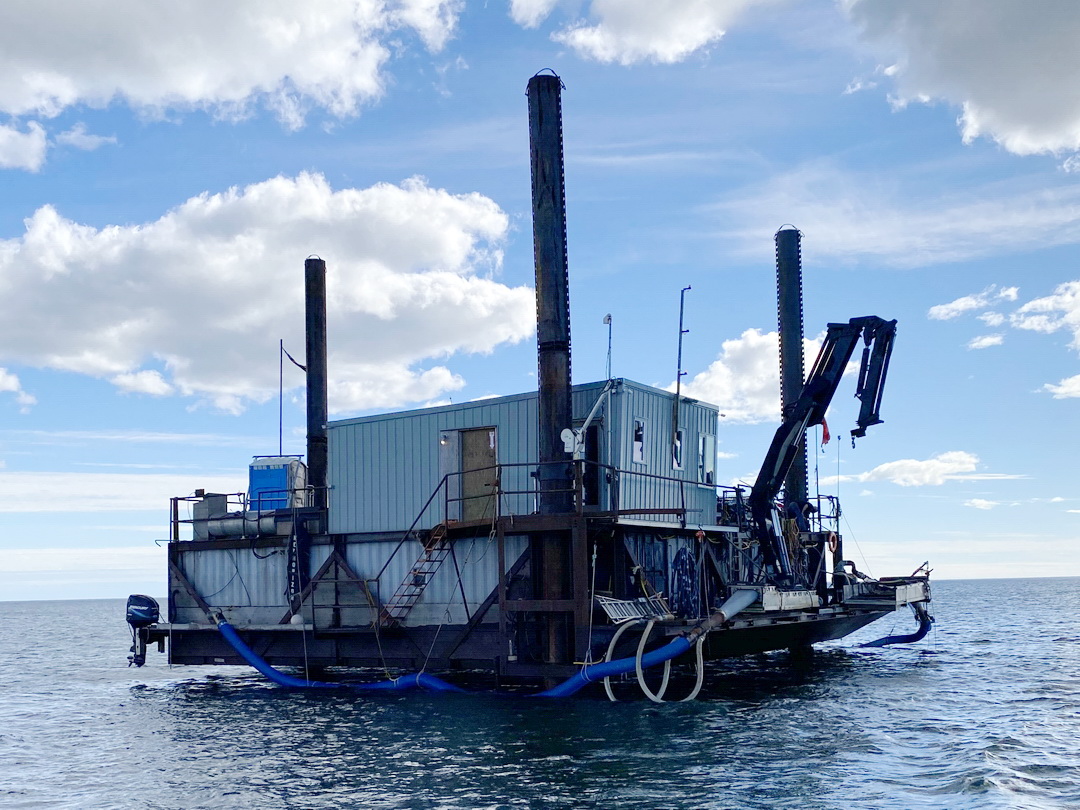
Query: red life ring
[{"x": 834, "y": 542}]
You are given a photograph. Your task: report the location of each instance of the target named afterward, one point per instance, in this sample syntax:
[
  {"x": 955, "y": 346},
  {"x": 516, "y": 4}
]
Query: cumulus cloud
[
  {"x": 855, "y": 216},
  {"x": 955, "y": 465},
  {"x": 631, "y": 31},
  {"x": 744, "y": 380},
  {"x": 1012, "y": 69},
  {"x": 23, "y": 150},
  {"x": 986, "y": 341},
  {"x": 1069, "y": 388},
  {"x": 530, "y": 13},
  {"x": 196, "y": 301},
  {"x": 981, "y": 503},
  {"x": 205, "y": 54}
]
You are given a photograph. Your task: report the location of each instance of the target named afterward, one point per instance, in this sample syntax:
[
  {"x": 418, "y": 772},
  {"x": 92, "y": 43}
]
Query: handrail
[{"x": 409, "y": 531}]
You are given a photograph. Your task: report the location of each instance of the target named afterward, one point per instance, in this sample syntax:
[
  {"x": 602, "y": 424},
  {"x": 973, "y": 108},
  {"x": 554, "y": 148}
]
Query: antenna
[
  {"x": 280, "y": 392},
  {"x": 607, "y": 320},
  {"x": 676, "y": 449}
]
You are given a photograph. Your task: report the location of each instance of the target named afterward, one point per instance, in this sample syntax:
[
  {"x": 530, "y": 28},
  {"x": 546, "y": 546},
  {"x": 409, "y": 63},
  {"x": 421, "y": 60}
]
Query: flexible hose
[
  {"x": 700, "y": 671},
  {"x": 622, "y": 666},
  {"x": 611, "y": 651},
  {"x": 658, "y": 696},
  {"x": 925, "y": 622},
  {"x": 412, "y": 681},
  {"x": 587, "y": 674}
]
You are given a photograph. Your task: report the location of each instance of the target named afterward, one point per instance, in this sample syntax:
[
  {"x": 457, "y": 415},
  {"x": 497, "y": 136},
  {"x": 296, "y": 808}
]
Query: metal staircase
[{"x": 408, "y": 593}]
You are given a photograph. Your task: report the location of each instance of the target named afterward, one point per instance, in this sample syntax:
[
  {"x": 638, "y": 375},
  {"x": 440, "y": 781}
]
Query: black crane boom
[{"x": 809, "y": 409}]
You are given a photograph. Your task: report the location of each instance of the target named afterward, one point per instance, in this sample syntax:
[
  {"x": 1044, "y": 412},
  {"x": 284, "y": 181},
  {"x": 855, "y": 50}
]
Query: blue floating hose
[
  {"x": 925, "y": 622},
  {"x": 621, "y": 666},
  {"x": 423, "y": 680},
  {"x": 405, "y": 682}
]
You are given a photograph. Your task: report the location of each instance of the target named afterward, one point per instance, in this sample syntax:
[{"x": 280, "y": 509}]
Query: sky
[{"x": 166, "y": 169}]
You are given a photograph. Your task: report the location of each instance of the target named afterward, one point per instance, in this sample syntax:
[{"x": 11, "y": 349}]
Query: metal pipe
[
  {"x": 789, "y": 304},
  {"x": 315, "y": 331},
  {"x": 552, "y": 288}
]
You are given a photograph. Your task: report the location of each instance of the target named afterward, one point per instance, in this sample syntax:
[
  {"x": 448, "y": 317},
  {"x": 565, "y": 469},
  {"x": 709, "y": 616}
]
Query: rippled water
[{"x": 984, "y": 713}]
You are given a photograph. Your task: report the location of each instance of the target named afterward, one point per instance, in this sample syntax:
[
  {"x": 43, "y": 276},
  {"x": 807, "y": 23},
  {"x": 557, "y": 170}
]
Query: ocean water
[{"x": 984, "y": 713}]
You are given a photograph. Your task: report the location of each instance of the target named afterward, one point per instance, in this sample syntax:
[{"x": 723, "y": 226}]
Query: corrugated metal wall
[
  {"x": 638, "y": 488},
  {"x": 251, "y": 590},
  {"x": 477, "y": 559},
  {"x": 382, "y": 469}
]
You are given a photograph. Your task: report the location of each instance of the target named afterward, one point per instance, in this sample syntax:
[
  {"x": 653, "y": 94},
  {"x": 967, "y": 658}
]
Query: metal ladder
[{"x": 408, "y": 593}]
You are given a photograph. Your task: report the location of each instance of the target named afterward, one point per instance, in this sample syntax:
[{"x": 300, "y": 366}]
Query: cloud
[
  {"x": 9, "y": 383},
  {"x": 744, "y": 380},
  {"x": 143, "y": 382},
  {"x": 986, "y": 341},
  {"x": 1069, "y": 388},
  {"x": 196, "y": 301},
  {"x": 980, "y": 503},
  {"x": 202, "y": 54},
  {"x": 632, "y": 31},
  {"x": 1059, "y": 310},
  {"x": 80, "y": 437},
  {"x": 79, "y": 138},
  {"x": 42, "y": 560},
  {"x": 103, "y": 492},
  {"x": 889, "y": 219},
  {"x": 968, "y": 303},
  {"x": 530, "y": 13},
  {"x": 1011, "y": 70},
  {"x": 23, "y": 150},
  {"x": 955, "y": 465},
  {"x": 82, "y": 573}
]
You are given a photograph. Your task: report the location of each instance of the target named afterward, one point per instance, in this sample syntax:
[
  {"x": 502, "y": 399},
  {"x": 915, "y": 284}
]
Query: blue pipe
[
  {"x": 925, "y": 622},
  {"x": 423, "y": 680},
  {"x": 622, "y": 666},
  {"x": 412, "y": 681}
]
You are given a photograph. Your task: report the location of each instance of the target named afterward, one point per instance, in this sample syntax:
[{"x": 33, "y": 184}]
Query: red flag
[{"x": 825, "y": 435}]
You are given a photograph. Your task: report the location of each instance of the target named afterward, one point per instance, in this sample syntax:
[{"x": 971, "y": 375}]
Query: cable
[{"x": 592, "y": 602}]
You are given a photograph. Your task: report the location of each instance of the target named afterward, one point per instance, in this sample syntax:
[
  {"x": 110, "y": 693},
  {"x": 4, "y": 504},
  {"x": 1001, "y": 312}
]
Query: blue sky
[{"x": 167, "y": 170}]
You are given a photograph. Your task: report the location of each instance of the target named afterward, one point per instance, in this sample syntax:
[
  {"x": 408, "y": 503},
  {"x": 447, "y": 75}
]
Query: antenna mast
[{"x": 676, "y": 447}]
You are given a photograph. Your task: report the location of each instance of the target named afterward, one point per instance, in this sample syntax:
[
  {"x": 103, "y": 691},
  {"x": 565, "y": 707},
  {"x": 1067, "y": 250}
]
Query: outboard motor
[{"x": 142, "y": 611}]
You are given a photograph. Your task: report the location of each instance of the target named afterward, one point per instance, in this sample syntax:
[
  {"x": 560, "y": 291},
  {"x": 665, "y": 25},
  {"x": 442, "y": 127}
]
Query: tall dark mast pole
[
  {"x": 315, "y": 323},
  {"x": 552, "y": 290},
  {"x": 790, "y": 321}
]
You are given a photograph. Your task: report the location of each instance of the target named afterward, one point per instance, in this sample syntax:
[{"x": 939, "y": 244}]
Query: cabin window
[
  {"x": 677, "y": 450},
  {"x": 639, "y": 441},
  {"x": 707, "y": 460}
]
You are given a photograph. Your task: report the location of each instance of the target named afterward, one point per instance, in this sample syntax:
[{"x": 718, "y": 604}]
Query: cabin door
[{"x": 479, "y": 480}]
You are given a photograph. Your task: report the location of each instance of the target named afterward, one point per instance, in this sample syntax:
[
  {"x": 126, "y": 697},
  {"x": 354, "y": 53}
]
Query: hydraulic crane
[{"x": 809, "y": 409}]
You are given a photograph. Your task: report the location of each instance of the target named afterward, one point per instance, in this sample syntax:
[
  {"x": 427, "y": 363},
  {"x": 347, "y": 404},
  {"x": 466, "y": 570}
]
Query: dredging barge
[{"x": 523, "y": 536}]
